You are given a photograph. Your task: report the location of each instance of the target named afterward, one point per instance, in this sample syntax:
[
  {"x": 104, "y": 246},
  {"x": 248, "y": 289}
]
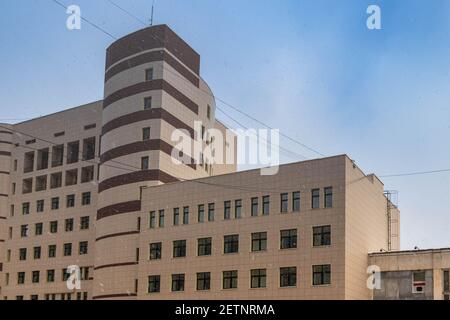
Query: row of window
[
  {"x": 321, "y": 275},
  {"x": 53, "y": 296},
  {"x": 37, "y": 251},
  {"x": 288, "y": 240},
  {"x": 50, "y": 276},
  {"x": 158, "y": 218}
]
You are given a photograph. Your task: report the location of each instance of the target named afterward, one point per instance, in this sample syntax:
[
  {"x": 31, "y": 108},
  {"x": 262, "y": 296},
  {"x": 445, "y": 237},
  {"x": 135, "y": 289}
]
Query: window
[
  {"x": 284, "y": 199},
  {"x": 322, "y": 236},
  {"x": 154, "y": 284},
  {"x": 52, "y": 251},
  {"x": 204, "y": 247},
  {"x": 25, "y": 208},
  {"x": 71, "y": 177},
  {"x": 19, "y": 297},
  {"x": 203, "y": 281},
  {"x": 211, "y": 212},
  {"x": 176, "y": 216},
  {"x": 259, "y": 241},
  {"x": 146, "y": 134},
  {"x": 321, "y": 275},
  {"x": 67, "y": 249},
  {"x": 152, "y": 220},
  {"x": 37, "y": 253},
  {"x": 34, "y": 296},
  {"x": 57, "y": 155},
  {"x": 69, "y": 225},
  {"x": 41, "y": 183},
  {"x": 315, "y": 198},
  {"x": 328, "y": 194},
  {"x": 20, "y": 277},
  {"x": 56, "y": 180},
  {"x": 266, "y": 205},
  {"x": 65, "y": 274},
  {"x": 238, "y": 209},
  {"x": 296, "y": 201},
  {"x": 155, "y": 251},
  {"x": 87, "y": 174},
  {"x": 53, "y": 226},
  {"x": 84, "y": 223},
  {"x": 201, "y": 213},
  {"x": 149, "y": 74},
  {"x": 161, "y": 218},
  {"x": 446, "y": 281},
  {"x": 254, "y": 210},
  {"x": 83, "y": 248},
  {"x": 289, "y": 239},
  {"x": 27, "y": 185},
  {"x": 89, "y": 148},
  {"x": 24, "y": 231},
  {"x": 70, "y": 201},
  {"x": 42, "y": 159},
  {"x": 258, "y": 278},
  {"x": 84, "y": 273},
  {"x": 147, "y": 103},
  {"x": 40, "y": 206},
  {"x": 145, "y": 163},
  {"x": 38, "y": 229},
  {"x": 179, "y": 249},
  {"x": 86, "y": 199},
  {"x": 73, "y": 150},
  {"x": 230, "y": 279},
  {"x": 208, "y": 112},
  {"x": 288, "y": 277},
  {"x": 35, "y": 277},
  {"x": 13, "y": 188},
  {"x": 50, "y": 275},
  {"x": 12, "y": 210},
  {"x": 227, "y": 210},
  {"x": 23, "y": 254},
  {"x": 231, "y": 244},
  {"x": 28, "y": 164},
  {"x": 186, "y": 215},
  {"x": 177, "y": 282},
  {"x": 55, "y": 203}
]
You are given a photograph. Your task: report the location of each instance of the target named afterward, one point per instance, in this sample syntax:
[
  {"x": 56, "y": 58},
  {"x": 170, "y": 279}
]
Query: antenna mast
[{"x": 151, "y": 18}]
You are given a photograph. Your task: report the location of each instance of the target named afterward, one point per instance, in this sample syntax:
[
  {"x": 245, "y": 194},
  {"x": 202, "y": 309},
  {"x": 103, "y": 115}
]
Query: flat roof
[{"x": 405, "y": 252}]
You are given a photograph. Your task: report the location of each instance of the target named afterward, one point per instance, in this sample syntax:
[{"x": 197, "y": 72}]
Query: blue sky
[{"x": 311, "y": 68}]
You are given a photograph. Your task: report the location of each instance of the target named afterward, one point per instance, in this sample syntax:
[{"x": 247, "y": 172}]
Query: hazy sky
[{"x": 310, "y": 68}]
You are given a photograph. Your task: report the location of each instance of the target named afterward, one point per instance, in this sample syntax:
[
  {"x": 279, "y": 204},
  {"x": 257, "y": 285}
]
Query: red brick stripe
[
  {"x": 115, "y": 235},
  {"x": 117, "y": 295},
  {"x": 114, "y": 265},
  {"x": 5, "y": 153},
  {"x": 119, "y": 208}
]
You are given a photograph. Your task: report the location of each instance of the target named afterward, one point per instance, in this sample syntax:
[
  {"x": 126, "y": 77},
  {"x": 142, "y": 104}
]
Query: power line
[
  {"x": 127, "y": 12},
  {"x": 415, "y": 173}
]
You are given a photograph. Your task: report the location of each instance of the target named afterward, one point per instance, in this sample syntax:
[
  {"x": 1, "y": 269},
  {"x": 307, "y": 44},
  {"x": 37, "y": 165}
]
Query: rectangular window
[
  {"x": 37, "y": 253},
  {"x": 41, "y": 183},
  {"x": 179, "y": 249},
  {"x": 155, "y": 251},
  {"x": 42, "y": 159},
  {"x": 154, "y": 284},
  {"x": 288, "y": 277},
  {"x": 68, "y": 225},
  {"x": 65, "y": 275},
  {"x": 55, "y": 203},
  {"x": 152, "y": 220},
  {"x": 259, "y": 241},
  {"x": 186, "y": 215},
  {"x": 11, "y": 210},
  {"x": 208, "y": 112},
  {"x": 145, "y": 163},
  {"x": 87, "y": 174},
  {"x": 84, "y": 223},
  {"x": 203, "y": 281},
  {"x": 146, "y": 134},
  {"x": 284, "y": 200},
  {"x": 227, "y": 210},
  {"x": 149, "y": 74},
  {"x": 296, "y": 201},
  {"x": 71, "y": 177},
  {"x": 24, "y": 231},
  {"x": 315, "y": 198},
  {"x": 35, "y": 276},
  {"x": 40, "y": 206},
  {"x": 288, "y": 239},
  {"x": 177, "y": 282},
  {"x": 238, "y": 209},
  {"x": 258, "y": 278},
  {"x": 57, "y": 155},
  {"x": 20, "y": 277},
  {"x": 27, "y": 185},
  {"x": 25, "y": 208},
  {"x": 147, "y": 103},
  {"x": 23, "y": 254},
  {"x": 38, "y": 228},
  {"x": 86, "y": 199},
  {"x": 50, "y": 275},
  {"x": 56, "y": 180},
  {"x": 446, "y": 281},
  {"x": 67, "y": 249},
  {"x": 52, "y": 251},
  {"x": 266, "y": 205},
  {"x": 28, "y": 164},
  {"x": 328, "y": 200},
  {"x": 204, "y": 247},
  {"x": 83, "y": 247},
  {"x": 211, "y": 212},
  {"x": 89, "y": 148},
  {"x": 201, "y": 213},
  {"x": 231, "y": 244},
  {"x": 70, "y": 201},
  {"x": 321, "y": 275},
  {"x": 73, "y": 151},
  {"x": 254, "y": 209},
  {"x": 161, "y": 218},
  {"x": 230, "y": 279},
  {"x": 176, "y": 216},
  {"x": 322, "y": 236}
]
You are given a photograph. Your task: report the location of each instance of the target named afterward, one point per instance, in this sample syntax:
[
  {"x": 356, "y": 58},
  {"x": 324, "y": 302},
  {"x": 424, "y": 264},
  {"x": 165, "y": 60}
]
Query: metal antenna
[{"x": 151, "y": 18}]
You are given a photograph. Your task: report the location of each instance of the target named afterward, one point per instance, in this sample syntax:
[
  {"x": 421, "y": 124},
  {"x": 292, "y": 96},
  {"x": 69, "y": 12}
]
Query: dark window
[
  {"x": 40, "y": 206},
  {"x": 288, "y": 277},
  {"x": 145, "y": 163},
  {"x": 89, "y": 148},
  {"x": 67, "y": 249},
  {"x": 179, "y": 249},
  {"x": 322, "y": 236},
  {"x": 203, "y": 281},
  {"x": 152, "y": 220},
  {"x": 328, "y": 200},
  {"x": 176, "y": 216},
  {"x": 71, "y": 177},
  {"x": 42, "y": 159},
  {"x": 155, "y": 251},
  {"x": 208, "y": 112},
  {"x": 23, "y": 254},
  {"x": 178, "y": 282},
  {"x": 57, "y": 155},
  {"x": 83, "y": 247},
  {"x": 284, "y": 199},
  {"x": 289, "y": 239},
  {"x": 259, "y": 241},
  {"x": 37, "y": 253},
  {"x": 25, "y": 208},
  {"x": 266, "y": 205},
  {"x": 258, "y": 278},
  {"x": 56, "y": 180},
  {"x": 86, "y": 199},
  {"x": 34, "y": 296},
  {"x": 24, "y": 231},
  {"x": 53, "y": 226},
  {"x": 38, "y": 228},
  {"x": 87, "y": 174},
  {"x": 201, "y": 213},
  {"x": 321, "y": 275},
  {"x": 254, "y": 210},
  {"x": 27, "y": 185},
  {"x": 65, "y": 274},
  {"x": 84, "y": 223},
  {"x": 227, "y": 210},
  {"x": 28, "y": 164},
  {"x": 146, "y": 134},
  {"x": 161, "y": 219},
  {"x": 211, "y": 212},
  {"x": 154, "y": 284},
  {"x": 20, "y": 277},
  {"x": 41, "y": 183},
  {"x": 238, "y": 209},
  {"x": 35, "y": 276},
  {"x": 231, "y": 244},
  {"x": 147, "y": 103},
  {"x": 230, "y": 279},
  {"x": 204, "y": 246},
  {"x": 315, "y": 198},
  {"x": 73, "y": 150},
  {"x": 50, "y": 275},
  {"x": 19, "y": 297},
  {"x": 149, "y": 74},
  {"x": 55, "y": 203},
  {"x": 186, "y": 215},
  {"x": 70, "y": 201},
  {"x": 296, "y": 201},
  {"x": 69, "y": 225},
  {"x": 447, "y": 281},
  {"x": 52, "y": 251}
]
